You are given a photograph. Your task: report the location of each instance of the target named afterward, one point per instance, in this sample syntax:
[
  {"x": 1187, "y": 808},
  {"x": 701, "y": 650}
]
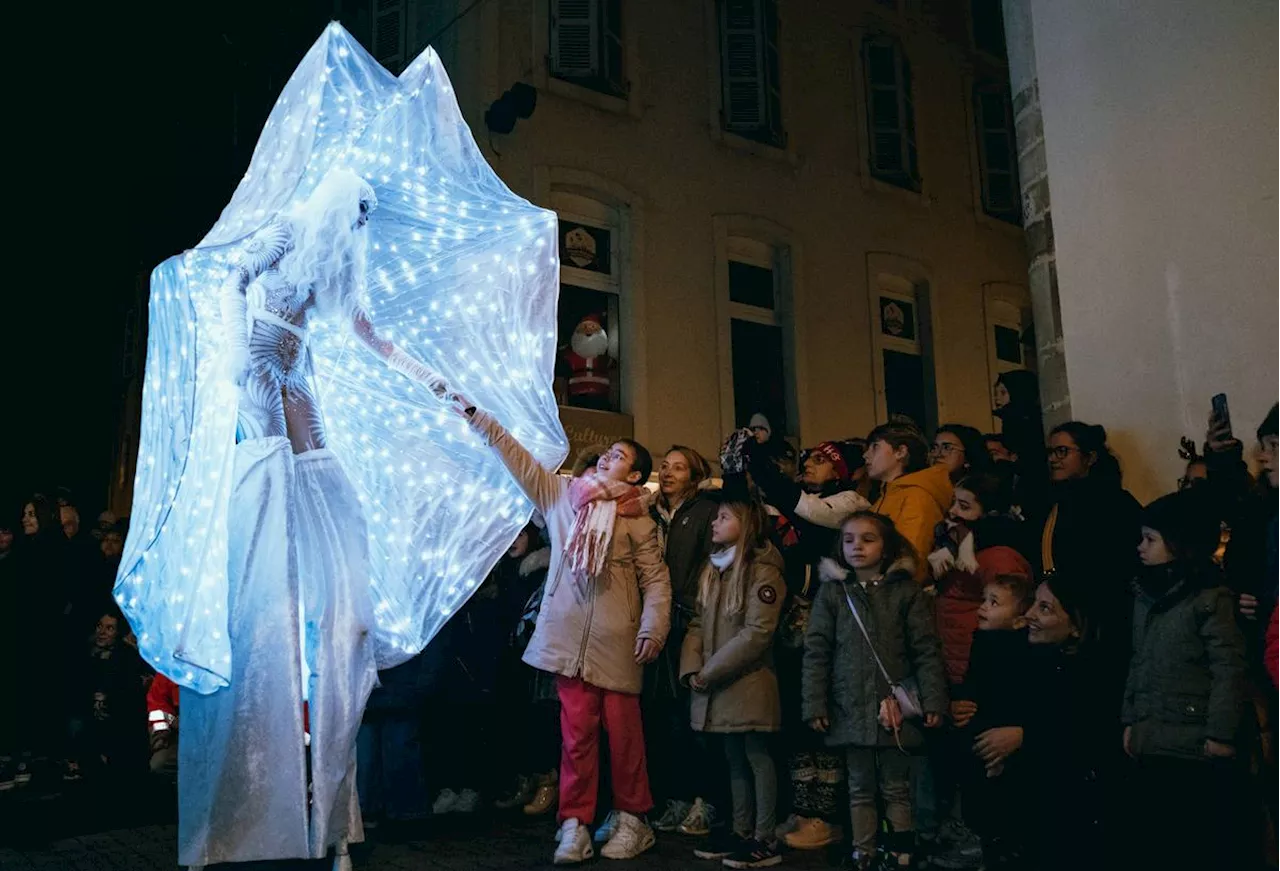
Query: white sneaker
[
  {"x": 468, "y": 801},
  {"x": 607, "y": 828},
  {"x": 575, "y": 844},
  {"x": 446, "y": 802},
  {"x": 632, "y": 837}
]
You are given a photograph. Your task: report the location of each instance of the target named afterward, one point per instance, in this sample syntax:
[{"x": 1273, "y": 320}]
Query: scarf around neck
[
  {"x": 722, "y": 559},
  {"x": 597, "y": 504}
]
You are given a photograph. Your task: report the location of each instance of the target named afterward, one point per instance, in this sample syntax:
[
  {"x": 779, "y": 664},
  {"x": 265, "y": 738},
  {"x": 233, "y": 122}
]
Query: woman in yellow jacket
[{"x": 914, "y": 494}]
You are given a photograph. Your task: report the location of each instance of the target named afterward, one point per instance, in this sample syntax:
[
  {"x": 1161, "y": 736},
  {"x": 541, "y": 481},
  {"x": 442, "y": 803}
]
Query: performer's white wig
[{"x": 330, "y": 244}]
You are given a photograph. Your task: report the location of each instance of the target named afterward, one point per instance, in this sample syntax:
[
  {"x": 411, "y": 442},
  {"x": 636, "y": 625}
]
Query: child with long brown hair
[{"x": 727, "y": 660}]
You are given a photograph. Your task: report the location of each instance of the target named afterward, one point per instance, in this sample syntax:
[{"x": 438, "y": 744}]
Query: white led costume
[{"x": 368, "y": 256}]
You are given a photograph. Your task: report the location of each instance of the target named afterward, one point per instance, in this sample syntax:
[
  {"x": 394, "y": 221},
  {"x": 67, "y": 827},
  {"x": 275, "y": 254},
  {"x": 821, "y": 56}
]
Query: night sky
[{"x": 133, "y": 131}]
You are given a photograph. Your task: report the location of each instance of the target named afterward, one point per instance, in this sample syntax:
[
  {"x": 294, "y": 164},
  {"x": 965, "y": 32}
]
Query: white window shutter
[
  {"x": 742, "y": 59},
  {"x": 575, "y": 38},
  {"x": 389, "y": 33}
]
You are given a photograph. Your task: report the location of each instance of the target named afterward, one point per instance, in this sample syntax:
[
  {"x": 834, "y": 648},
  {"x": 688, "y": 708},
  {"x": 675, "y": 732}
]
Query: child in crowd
[
  {"x": 915, "y": 494},
  {"x": 1185, "y": 694},
  {"x": 977, "y": 542},
  {"x": 604, "y": 616},
  {"x": 870, "y": 625},
  {"x": 974, "y": 544},
  {"x": 991, "y": 697},
  {"x": 727, "y": 661}
]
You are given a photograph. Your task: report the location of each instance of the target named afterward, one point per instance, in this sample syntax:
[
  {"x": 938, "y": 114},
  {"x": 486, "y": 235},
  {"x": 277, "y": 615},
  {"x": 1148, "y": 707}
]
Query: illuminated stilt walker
[{"x": 307, "y": 510}]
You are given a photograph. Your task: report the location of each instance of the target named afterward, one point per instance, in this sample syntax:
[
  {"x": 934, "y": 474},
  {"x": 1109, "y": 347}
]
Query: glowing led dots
[{"x": 439, "y": 507}]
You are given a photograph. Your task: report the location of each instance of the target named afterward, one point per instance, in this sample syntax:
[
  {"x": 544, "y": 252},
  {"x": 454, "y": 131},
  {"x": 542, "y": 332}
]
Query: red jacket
[
  {"x": 1269, "y": 652},
  {"x": 162, "y": 704},
  {"x": 960, "y": 596}
]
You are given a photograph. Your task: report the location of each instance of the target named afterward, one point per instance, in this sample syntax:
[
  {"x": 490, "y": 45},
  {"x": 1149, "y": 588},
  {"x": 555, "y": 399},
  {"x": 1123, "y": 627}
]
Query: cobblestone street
[{"x": 490, "y": 847}]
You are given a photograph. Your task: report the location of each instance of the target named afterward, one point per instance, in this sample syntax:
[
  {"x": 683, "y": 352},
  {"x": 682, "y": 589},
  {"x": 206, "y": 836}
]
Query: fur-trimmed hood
[
  {"x": 535, "y": 561},
  {"x": 902, "y": 569}
]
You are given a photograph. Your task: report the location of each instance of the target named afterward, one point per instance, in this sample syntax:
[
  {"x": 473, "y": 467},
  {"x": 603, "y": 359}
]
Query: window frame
[
  {"x": 898, "y": 277},
  {"x": 909, "y": 177},
  {"x": 1013, "y": 214},
  {"x": 761, "y": 242},
  {"x": 602, "y": 29},
  {"x": 770, "y": 130}
]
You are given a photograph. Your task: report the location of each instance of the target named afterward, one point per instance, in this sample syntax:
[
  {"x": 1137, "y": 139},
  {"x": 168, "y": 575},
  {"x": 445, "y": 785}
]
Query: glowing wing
[{"x": 463, "y": 275}]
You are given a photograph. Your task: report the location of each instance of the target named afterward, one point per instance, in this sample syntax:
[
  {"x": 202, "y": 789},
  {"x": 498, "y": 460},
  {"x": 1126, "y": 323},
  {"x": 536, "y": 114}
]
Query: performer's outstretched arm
[{"x": 396, "y": 358}]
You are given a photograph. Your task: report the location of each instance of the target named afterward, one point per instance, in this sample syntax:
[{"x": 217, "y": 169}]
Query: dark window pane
[
  {"x": 904, "y": 385},
  {"x": 883, "y": 71},
  {"x": 992, "y": 107},
  {"x": 897, "y": 318},
  {"x": 884, "y": 109},
  {"x": 585, "y": 247},
  {"x": 759, "y": 380},
  {"x": 750, "y": 285},
  {"x": 587, "y": 369},
  {"x": 988, "y": 27},
  {"x": 997, "y": 145},
  {"x": 1008, "y": 345},
  {"x": 1002, "y": 198}
]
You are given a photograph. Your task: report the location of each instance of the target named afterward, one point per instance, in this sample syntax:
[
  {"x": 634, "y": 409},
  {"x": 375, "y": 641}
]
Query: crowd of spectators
[{"x": 975, "y": 650}]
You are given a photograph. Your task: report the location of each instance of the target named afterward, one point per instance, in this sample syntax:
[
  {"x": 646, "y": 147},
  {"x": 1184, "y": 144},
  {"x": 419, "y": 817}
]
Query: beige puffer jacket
[
  {"x": 734, "y": 653},
  {"x": 589, "y": 634}
]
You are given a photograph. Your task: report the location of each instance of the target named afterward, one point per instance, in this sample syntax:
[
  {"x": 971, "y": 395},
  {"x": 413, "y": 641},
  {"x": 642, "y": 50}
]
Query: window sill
[
  {"x": 591, "y": 97},
  {"x": 915, "y": 197},
  {"x": 997, "y": 224},
  {"x": 732, "y": 140}
]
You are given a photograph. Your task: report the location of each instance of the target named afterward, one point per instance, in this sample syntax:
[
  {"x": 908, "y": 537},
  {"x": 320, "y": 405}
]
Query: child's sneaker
[
  {"x": 575, "y": 844},
  {"x": 607, "y": 828},
  {"x": 632, "y": 837},
  {"x": 754, "y": 854},
  {"x": 722, "y": 844},
  {"x": 468, "y": 802},
  {"x": 699, "y": 819},
  {"x": 673, "y": 816},
  {"x": 446, "y": 802}
]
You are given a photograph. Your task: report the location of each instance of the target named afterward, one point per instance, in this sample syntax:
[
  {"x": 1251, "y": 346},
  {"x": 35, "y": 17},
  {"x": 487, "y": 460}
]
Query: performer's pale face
[{"x": 365, "y": 211}]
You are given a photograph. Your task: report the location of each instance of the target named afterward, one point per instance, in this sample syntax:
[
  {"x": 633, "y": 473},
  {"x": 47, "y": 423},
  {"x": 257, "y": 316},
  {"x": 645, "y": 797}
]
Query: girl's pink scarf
[{"x": 597, "y": 503}]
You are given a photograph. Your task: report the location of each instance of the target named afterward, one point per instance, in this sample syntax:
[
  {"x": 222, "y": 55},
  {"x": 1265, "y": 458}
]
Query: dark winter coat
[
  {"x": 478, "y": 635},
  {"x": 841, "y": 681},
  {"x": 734, "y": 653},
  {"x": 1070, "y": 754},
  {"x": 1186, "y": 678},
  {"x": 688, "y": 543},
  {"x": 1094, "y": 541},
  {"x": 999, "y": 668}
]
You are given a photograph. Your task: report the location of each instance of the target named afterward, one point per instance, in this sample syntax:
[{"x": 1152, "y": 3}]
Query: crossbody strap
[{"x": 857, "y": 618}]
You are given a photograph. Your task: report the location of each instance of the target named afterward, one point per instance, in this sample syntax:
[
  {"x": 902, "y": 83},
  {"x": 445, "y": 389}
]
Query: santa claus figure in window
[{"x": 587, "y": 367}]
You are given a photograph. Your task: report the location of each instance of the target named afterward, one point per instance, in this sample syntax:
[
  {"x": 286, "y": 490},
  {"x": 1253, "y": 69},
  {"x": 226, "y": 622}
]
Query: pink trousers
[{"x": 584, "y": 708}]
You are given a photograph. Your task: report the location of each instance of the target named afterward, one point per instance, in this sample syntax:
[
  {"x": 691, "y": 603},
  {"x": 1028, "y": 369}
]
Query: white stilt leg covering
[{"x": 297, "y": 540}]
